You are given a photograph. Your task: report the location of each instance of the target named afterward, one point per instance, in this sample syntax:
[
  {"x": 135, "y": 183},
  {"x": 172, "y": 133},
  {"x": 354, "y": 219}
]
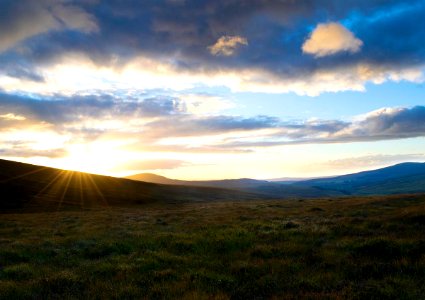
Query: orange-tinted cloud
[
  {"x": 227, "y": 45},
  {"x": 330, "y": 38}
]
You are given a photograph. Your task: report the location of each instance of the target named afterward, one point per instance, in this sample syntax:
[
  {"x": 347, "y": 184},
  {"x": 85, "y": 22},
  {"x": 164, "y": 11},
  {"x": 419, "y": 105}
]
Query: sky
[{"x": 193, "y": 89}]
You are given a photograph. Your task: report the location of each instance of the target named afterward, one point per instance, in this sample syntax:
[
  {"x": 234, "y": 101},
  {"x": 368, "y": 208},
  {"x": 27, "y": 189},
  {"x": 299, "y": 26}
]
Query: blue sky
[{"x": 212, "y": 89}]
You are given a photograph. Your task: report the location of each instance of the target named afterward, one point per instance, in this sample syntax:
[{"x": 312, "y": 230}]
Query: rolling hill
[
  {"x": 241, "y": 183},
  {"x": 275, "y": 190},
  {"x": 153, "y": 178},
  {"x": 397, "y": 179},
  {"x": 25, "y": 186}
]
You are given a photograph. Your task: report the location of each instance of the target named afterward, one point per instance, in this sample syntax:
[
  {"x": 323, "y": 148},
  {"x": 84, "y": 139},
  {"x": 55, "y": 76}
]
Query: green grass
[{"x": 357, "y": 248}]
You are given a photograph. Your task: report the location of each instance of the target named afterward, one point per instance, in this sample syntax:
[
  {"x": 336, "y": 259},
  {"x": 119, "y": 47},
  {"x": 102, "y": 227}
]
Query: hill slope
[
  {"x": 400, "y": 178},
  {"x": 153, "y": 178},
  {"x": 25, "y": 186},
  {"x": 240, "y": 183}
]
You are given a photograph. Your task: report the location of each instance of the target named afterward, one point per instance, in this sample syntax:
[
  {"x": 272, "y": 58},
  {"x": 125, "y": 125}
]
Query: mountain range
[
  {"x": 269, "y": 189},
  {"x": 398, "y": 179}
]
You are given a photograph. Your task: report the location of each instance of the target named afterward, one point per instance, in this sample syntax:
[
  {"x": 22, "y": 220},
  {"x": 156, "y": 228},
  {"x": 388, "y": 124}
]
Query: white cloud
[
  {"x": 227, "y": 45},
  {"x": 330, "y": 38},
  {"x": 203, "y": 104},
  {"x": 374, "y": 160}
]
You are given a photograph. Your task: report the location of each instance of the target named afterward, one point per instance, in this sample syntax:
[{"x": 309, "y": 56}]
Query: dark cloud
[
  {"x": 229, "y": 123},
  {"x": 61, "y": 109},
  {"x": 385, "y": 124},
  {"x": 159, "y": 106},
  {"x": 180, "y": 32},
  {"x": 20, "y": 20},
  {"x": 17, "y": 66},
  {"x": 308, "y": 129},
  {"x": 172, "y": 114},
  {"x": 393, "y": 123},
  {"x": 189, "y": 125}
]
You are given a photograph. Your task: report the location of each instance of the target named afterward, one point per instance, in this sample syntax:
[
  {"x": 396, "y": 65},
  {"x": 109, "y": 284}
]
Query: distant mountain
[
  {"x": 397, "y": 179},
  {"x": 241, "y": 183},
  {"x": 289, "y": 180},
  {"x": 400, "y": 178},
  {"x": 31, "y": 187},
  {"x": 276, "y": 190},
  {"x": 153, "y": 178}
]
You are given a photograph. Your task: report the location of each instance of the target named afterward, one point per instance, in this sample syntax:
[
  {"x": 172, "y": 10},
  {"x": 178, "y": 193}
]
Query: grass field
[{"x": 361, "y": 248}]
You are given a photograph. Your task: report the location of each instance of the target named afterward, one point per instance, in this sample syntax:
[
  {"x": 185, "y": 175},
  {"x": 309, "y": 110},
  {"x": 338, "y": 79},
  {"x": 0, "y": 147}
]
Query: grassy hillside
[
  {"x": 293, "y": 191},
  {"x": 403, "y": 185},
  {"x": 33, "y": 187},
  {"x": 349, "y": 248}
]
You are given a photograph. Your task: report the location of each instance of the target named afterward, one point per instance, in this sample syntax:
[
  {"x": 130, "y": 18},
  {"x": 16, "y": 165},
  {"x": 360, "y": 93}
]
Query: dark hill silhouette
[{"x": 31, "y": 187}]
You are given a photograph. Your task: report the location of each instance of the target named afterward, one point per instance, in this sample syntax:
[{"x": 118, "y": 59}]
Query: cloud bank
[
  {"x": 207, "y": 43},
  {"x": 164, "y": 124}
]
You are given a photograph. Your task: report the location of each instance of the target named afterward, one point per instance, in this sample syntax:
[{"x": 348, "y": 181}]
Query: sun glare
[{"x": 91, "y": 158}]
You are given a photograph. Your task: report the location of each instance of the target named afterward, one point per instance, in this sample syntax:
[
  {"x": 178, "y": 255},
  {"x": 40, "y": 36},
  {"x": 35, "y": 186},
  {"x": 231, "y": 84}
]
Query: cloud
[
  {"x": 192, "y": 126},
  {"x": 162, "y": 117},
  {"x": 205, "y": 104},
  {"x": 383, "y": 124},
  {"x": 227, "y": 45},
  {"x": 331, "y": 38},
  {"x": 157, "y": 164},
  {"x": 24, "y": 138},
  {"x": 371, "y": 161},
  {"x": 390, "y": 123},
  {"x": 26, "y": 152},
  {"x": 78, "y": 108},
  {"x": 166, "y": 46},
  {"x": 147, "y": 132},
  {"x": 13, "y": 117},
  {"x": 24, "y": 19},
  {"x": 76, "y": 74}
]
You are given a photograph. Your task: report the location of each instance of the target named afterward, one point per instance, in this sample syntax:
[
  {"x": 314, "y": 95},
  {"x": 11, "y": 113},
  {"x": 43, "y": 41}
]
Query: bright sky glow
[{"x": 273, "y": 89}]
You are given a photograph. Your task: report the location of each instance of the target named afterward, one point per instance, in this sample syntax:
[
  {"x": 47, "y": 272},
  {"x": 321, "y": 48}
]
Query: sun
[{"x": 96, "y": 158}]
